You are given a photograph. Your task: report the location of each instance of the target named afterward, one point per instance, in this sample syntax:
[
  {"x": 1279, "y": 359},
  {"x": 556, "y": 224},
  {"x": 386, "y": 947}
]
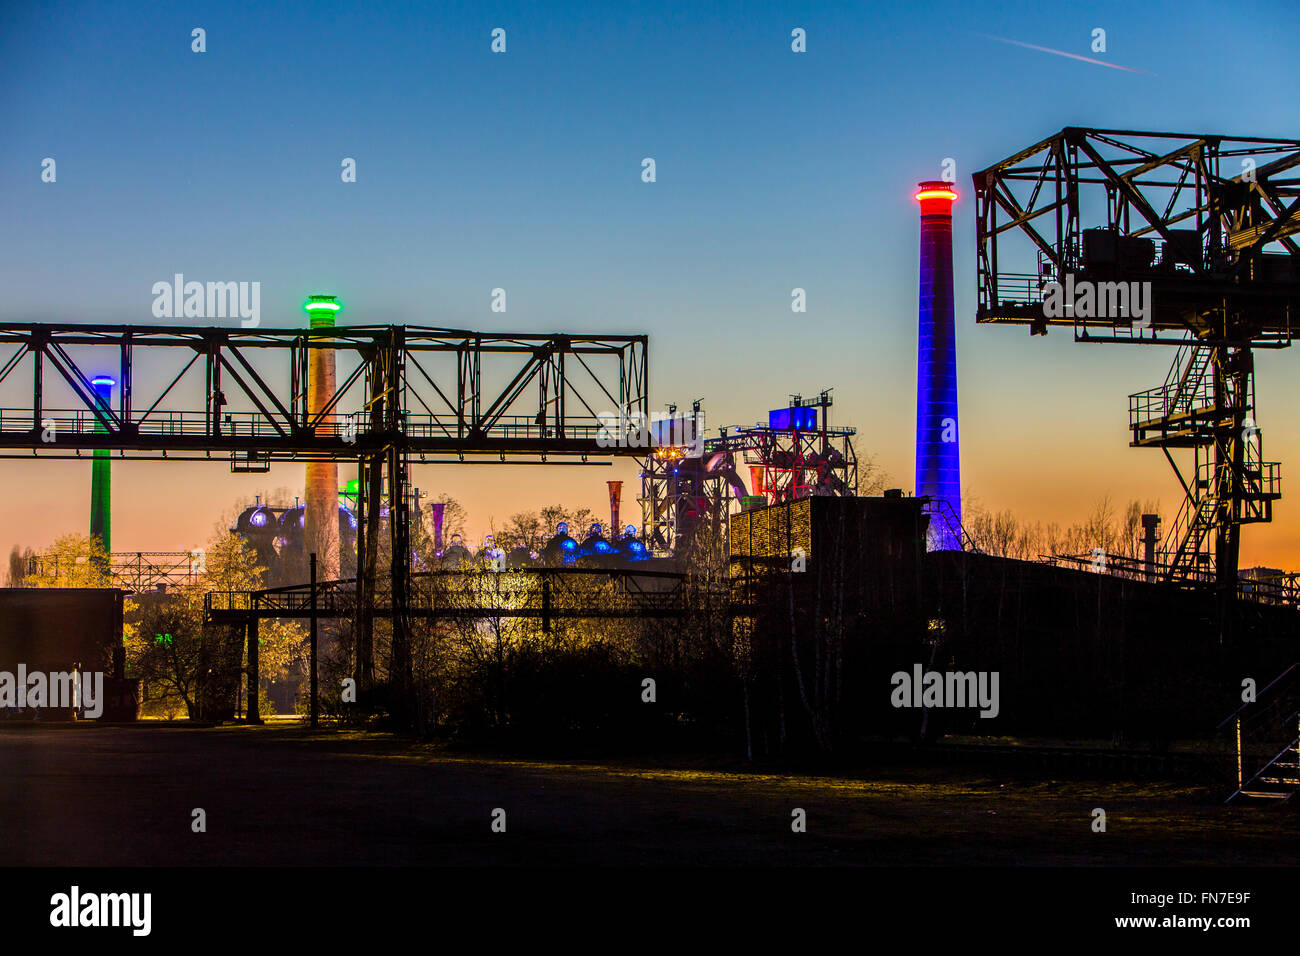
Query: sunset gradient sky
[{"x": 476, "y": 170}]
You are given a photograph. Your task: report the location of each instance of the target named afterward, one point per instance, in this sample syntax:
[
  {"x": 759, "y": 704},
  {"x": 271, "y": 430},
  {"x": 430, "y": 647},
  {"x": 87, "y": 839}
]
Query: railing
[
  {"x": 345, "y": 426},
  {"x": 524, "y": 592},
  {"x": 1194, "y": 515},
  {"x": 1018, "y": 289},
  {"x": 168, "y": 424},
  {"x": 1165, "y": 401},
  {"x": 227, "y": 602},
  {"x": 1282, "y": 590},
  {"x": 426, "y": 425}
]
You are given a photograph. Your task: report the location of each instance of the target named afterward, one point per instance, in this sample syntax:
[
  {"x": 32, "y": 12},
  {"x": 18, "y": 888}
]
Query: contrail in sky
[{"x": 1072, "y": 56}]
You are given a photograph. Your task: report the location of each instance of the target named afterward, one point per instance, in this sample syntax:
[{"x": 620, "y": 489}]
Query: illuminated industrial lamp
[
  {"x": 326, "y": 302},
  {"x": 932, "y": 193},
  {"x": 321, "y": 310}
]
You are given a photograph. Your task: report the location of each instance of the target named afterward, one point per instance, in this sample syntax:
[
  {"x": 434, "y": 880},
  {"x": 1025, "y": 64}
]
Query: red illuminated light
[{"x": 936, "y": 194}]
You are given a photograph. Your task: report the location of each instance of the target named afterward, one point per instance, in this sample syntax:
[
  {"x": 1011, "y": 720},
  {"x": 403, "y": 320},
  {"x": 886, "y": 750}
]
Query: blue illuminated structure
[
  {"x": 797, "y": 418},
  {"x": 938, "y": 454}
]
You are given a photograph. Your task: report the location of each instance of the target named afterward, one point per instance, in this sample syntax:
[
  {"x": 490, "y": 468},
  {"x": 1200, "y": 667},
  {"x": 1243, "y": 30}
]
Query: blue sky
[{"x": 476, "y": 170}]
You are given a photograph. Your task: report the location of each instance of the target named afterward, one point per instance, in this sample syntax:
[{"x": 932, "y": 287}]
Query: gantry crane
[{"x": 1160, "y": 239}]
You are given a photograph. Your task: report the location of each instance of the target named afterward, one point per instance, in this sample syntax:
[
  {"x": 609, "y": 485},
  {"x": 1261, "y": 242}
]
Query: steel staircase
[
  {"x": 1206, "y": 408},
  {"x": 1267, "y": 732}
]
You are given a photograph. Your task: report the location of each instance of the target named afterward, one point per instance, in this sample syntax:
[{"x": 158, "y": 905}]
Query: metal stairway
[
  {"x": 1268, "y": 755},
  {"x": 1279, "y": 779},
  {"x": 1205, "y": 405},
  {"x": 1186, "y": 535},
  {"x": 941, "y": 514},
  {"x": 1188, "y": 375}
]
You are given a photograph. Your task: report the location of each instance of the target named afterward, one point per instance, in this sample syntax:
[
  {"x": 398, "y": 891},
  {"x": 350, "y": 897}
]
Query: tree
[
  {"x": 1104, "y": 530},
  {"x": 176, "y": 654},
  {"x": 872, "y": 479},
  {"x": 578, "y": 520},
  {"x": 73, "y": 561},
  {"x": 17, "y": 568},
  {"x": 526, "y": 526}
]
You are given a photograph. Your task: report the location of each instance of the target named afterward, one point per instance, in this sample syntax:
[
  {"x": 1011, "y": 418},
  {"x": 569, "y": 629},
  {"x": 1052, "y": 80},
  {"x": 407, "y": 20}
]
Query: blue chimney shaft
[{"x": 938, "y": 454}]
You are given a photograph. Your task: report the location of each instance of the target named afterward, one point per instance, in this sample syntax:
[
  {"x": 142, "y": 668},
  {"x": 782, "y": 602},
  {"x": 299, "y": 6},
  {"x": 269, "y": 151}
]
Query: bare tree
[
  {"x": 872, "y": 479},
  {"x": 17, "y": 568},
  {"x": 526, "y": 526}
]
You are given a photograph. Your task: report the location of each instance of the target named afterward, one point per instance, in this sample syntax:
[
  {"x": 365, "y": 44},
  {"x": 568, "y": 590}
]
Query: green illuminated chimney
[
  {"x": 322, "y": 491},
  {"x": 101, "y": 485}
]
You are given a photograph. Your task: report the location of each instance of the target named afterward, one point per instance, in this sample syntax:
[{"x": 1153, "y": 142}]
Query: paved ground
[{"x": 89, "y": 795}]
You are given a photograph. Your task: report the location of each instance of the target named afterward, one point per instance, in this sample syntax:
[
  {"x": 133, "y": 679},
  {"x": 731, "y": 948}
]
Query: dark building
[
  {"x": 1096, "y": 656},
  {"x": 65, "y": 629},
  {"x": 831, "y": 597},
  {"x": 827, "y": 592}
]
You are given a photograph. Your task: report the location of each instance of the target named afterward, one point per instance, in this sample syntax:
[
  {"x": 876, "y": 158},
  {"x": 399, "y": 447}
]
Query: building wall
[{"x": 1079, "y": 656}]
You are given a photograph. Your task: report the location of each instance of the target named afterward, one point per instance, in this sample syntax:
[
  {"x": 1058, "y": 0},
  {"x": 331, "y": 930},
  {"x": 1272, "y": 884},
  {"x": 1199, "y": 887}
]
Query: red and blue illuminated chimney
[{"x": 938, "y": 456}]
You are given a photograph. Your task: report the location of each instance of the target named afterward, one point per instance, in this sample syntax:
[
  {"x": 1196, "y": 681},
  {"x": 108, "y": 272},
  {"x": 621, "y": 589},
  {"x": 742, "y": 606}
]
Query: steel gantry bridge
[
  {"x": 402, "y": 394},
  {"x": 1160, "y": 239},
  {"x": 543, "y": 594},
  {"x": 243, "y": 392}
]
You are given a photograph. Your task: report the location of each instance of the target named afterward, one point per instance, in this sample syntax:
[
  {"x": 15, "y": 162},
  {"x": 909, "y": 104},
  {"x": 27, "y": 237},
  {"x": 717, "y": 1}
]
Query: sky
[{"x": 522, "y": 170}]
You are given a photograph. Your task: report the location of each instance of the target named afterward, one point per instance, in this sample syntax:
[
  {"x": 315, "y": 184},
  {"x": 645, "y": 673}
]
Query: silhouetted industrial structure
[
  {"x": 691, "y": 481},
  {"x": 1160, "y": 239}
]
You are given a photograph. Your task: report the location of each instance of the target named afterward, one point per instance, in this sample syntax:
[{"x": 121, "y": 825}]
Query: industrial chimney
[
  {"x": 438, "y": 510},
  {"x": 321, "y": 525},
  {"x": 1149, "y": 541},
  {"x": 938, "y": 457},
  {"x": 101, "y": 485},
  {"x": 615, "y": 497}
]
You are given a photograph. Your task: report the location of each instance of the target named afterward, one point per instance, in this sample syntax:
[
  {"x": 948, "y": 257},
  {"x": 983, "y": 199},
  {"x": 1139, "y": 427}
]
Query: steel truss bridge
[
  {"x": 544, "y": 594},
  {"x": 1206, "y": 224},
  {"x": 243, "y": 392},
  {"x": 402, "y": 393}
]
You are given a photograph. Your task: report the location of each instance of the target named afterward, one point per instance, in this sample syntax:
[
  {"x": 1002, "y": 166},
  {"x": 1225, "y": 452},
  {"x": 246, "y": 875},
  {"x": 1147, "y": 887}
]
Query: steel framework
[
  {"x": 430, "y": 390},
  {"x": 680, "y": 494},
  {"x": 1083, "y": 210},
  {"x": 402, "y": 392},
  {"x": 134, "y": 571}
]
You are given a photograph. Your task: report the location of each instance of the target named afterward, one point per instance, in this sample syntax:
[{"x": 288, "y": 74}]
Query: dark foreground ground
[{"x": 88, "y": 796}]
